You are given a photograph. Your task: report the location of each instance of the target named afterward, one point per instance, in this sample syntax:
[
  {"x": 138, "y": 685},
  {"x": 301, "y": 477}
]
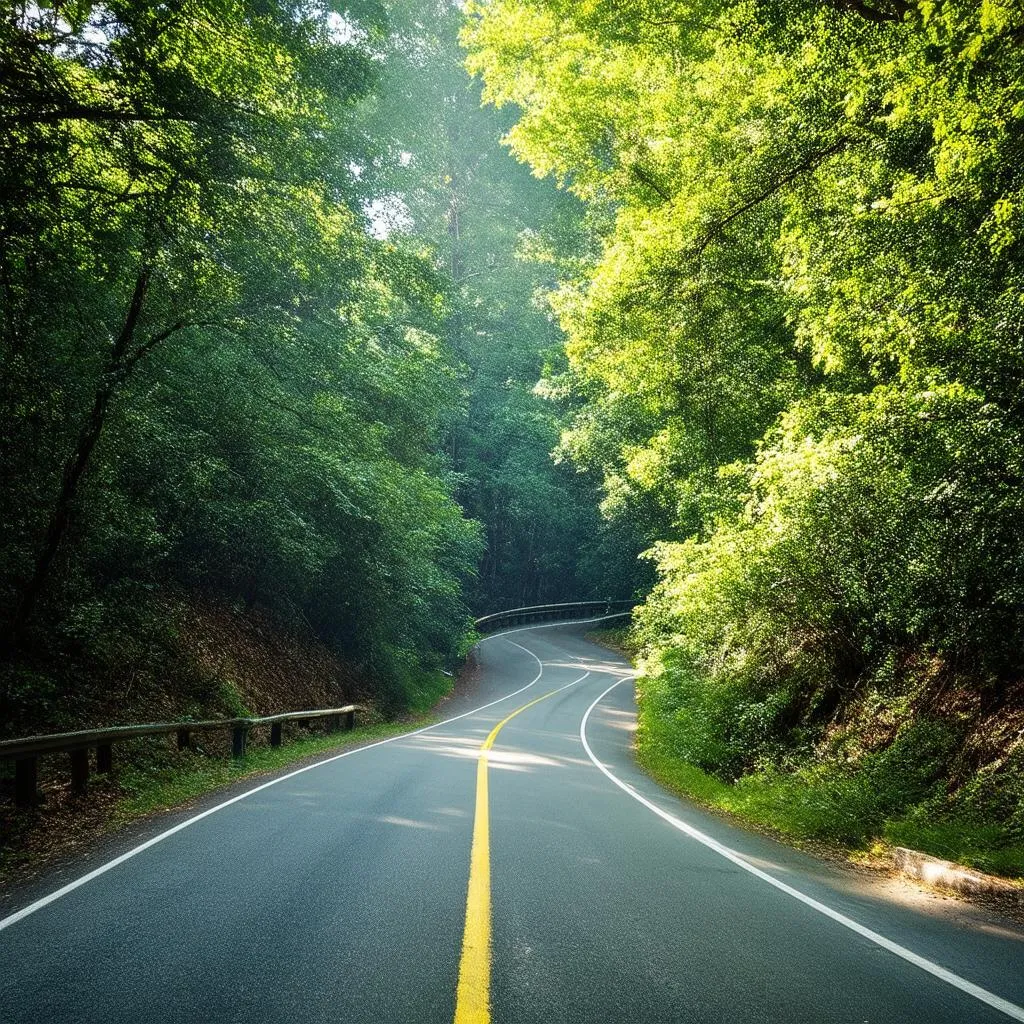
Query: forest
[
  {"x": 795, "y": 357},
  {"x": 268, "y": 343},
  {"x": 379, "y": 316}
]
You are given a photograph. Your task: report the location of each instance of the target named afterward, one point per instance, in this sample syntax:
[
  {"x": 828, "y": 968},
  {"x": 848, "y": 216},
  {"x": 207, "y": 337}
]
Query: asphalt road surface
[{"x": 509, "y": 864}]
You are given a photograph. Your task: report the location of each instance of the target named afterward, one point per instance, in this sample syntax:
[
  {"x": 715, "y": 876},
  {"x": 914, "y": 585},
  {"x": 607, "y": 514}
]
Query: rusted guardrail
[
  {"x": 553, "y": 613},
  {"x": 25, "y": 753}
]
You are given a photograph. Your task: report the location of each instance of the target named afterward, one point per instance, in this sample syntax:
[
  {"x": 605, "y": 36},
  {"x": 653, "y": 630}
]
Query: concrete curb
[{"x": 947, "y": 875}]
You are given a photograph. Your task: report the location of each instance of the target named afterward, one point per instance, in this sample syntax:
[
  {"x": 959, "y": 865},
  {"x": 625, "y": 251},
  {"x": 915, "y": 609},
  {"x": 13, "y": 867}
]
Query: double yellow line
[{"x": 473, "y": 995}]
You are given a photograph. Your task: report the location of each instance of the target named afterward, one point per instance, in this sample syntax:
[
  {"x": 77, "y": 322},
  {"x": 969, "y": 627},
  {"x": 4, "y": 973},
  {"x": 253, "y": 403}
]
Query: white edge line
[
  {"x": 111, "y": 864},
  {"x": 1011, "y": 1010}
]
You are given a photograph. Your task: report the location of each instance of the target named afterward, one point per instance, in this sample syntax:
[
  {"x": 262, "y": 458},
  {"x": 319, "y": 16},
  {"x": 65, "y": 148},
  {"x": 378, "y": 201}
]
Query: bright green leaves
[
  {"x": 215, "y": 377},
  {"x": 797, "y": 354},
  {"x": 582, "y": 102}
]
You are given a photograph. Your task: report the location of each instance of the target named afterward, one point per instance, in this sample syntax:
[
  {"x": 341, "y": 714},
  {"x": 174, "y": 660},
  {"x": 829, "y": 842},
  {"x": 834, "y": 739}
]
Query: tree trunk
[{"x": 113, "y": 376}]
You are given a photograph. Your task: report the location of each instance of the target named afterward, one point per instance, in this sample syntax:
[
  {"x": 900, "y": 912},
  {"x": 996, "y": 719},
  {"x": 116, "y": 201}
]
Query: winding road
[{"x": 510, "y": 863}]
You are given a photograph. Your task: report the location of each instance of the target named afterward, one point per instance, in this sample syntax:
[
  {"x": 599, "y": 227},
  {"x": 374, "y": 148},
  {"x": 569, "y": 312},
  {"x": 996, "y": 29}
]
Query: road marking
[
  {"x": 1011, "y": 1010},
  {"x": 135, "y": 851},
  {"x": 473, "y": 995}
]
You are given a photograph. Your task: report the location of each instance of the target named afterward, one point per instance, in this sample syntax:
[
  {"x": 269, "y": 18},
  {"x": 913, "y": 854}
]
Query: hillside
[{"x": 200, "y": 658}]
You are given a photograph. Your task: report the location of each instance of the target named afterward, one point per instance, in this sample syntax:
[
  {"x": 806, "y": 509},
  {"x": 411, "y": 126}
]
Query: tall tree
[
  {"x": 214, "y": 375},
  {"x": 491, "y": 225},
  {"x": 799, "y": 348}
]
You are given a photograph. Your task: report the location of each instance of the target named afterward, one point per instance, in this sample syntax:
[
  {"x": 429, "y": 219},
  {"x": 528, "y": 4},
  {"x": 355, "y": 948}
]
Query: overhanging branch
[{"x": 809, "y": 163}]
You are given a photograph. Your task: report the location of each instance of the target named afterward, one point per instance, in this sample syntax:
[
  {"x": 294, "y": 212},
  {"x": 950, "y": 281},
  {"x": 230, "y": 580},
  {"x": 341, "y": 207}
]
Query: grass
[
  {"x": 151, "y": 777},
  {"x": 165, "y": 778},
  {"x": 423, "y": 692},
  {"x": 977, "y": 844},
  {"x": 816, "y": 804},
  {"x": 162, "y": 784},
  {"x": 615, "y": 638}
]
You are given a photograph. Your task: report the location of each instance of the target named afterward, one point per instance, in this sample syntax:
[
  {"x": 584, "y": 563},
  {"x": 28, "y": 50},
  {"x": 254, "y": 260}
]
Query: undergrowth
[
  {"x": 898, "y": 794},
  {"x": 616, "y": 638},
  {"x": 150, "y": 777},
  {"x": 178, "y": 777}
]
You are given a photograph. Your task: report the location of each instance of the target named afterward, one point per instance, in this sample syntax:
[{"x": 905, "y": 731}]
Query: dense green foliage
[
  {"x": 796, "y": 356},
  {"x": 214, "y": 377},
  {"x": 270, "y": 337},
  {"x": 276, "y": 303},
  {"x": 498, "y": 232}
]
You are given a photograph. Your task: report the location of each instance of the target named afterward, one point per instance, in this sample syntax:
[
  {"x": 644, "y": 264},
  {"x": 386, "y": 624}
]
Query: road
[{"x": 427, "y": 879}]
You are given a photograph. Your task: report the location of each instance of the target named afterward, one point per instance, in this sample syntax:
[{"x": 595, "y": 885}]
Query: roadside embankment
[
  {"x": 217, "y": 661},
  {"x": 944, "y": 874},
  {"x": 906, "y": 797}
]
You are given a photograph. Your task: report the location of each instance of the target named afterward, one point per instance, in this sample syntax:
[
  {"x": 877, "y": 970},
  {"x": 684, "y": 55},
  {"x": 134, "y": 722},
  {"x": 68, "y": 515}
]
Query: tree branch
[
  {"x": 644, "y": 178},
  {"x": 809, "y": 163},
  {"x": 93, "y": 114},
  {"x": 128, "y": 364},
  {"x": 878, "y": 17}
]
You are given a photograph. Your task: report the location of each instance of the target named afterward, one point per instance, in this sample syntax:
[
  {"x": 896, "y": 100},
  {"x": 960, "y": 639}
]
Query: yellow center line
[{"x": 473, "y": 996}]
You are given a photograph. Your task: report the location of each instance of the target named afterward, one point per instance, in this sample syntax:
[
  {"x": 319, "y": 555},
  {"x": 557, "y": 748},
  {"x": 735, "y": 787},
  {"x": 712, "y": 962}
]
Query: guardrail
[
  {"x": 553, "y": 613},
  {"x": 25, "y": 753}
]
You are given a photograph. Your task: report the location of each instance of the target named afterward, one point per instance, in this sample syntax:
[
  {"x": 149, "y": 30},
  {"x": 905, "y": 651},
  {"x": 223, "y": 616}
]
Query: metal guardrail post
[
  {"x": 26, "y": 781},
  {"x": 79, "y": 770},
  {"x": 25, "y": 752}
]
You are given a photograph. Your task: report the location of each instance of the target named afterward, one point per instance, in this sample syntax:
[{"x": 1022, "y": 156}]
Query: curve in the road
[
  {"x": 341, "y": 893},
  {"x": 473, "y": 996},
  {"x": 1004, "y": 1006},
  {"x": 44, "y": 901}
]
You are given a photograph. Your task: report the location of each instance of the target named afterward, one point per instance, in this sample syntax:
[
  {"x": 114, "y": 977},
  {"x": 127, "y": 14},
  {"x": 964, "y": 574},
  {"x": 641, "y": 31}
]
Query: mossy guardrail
[
  {"x": 25, "y": 753},
  {"x": 553, "y": 613}
]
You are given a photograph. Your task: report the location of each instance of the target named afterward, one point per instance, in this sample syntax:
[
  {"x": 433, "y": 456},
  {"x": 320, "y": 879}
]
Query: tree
[
  {"x": 798, "y": 352},
  {"x": 215, "y": 376},
  {"x": 490, "y": 225}
]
